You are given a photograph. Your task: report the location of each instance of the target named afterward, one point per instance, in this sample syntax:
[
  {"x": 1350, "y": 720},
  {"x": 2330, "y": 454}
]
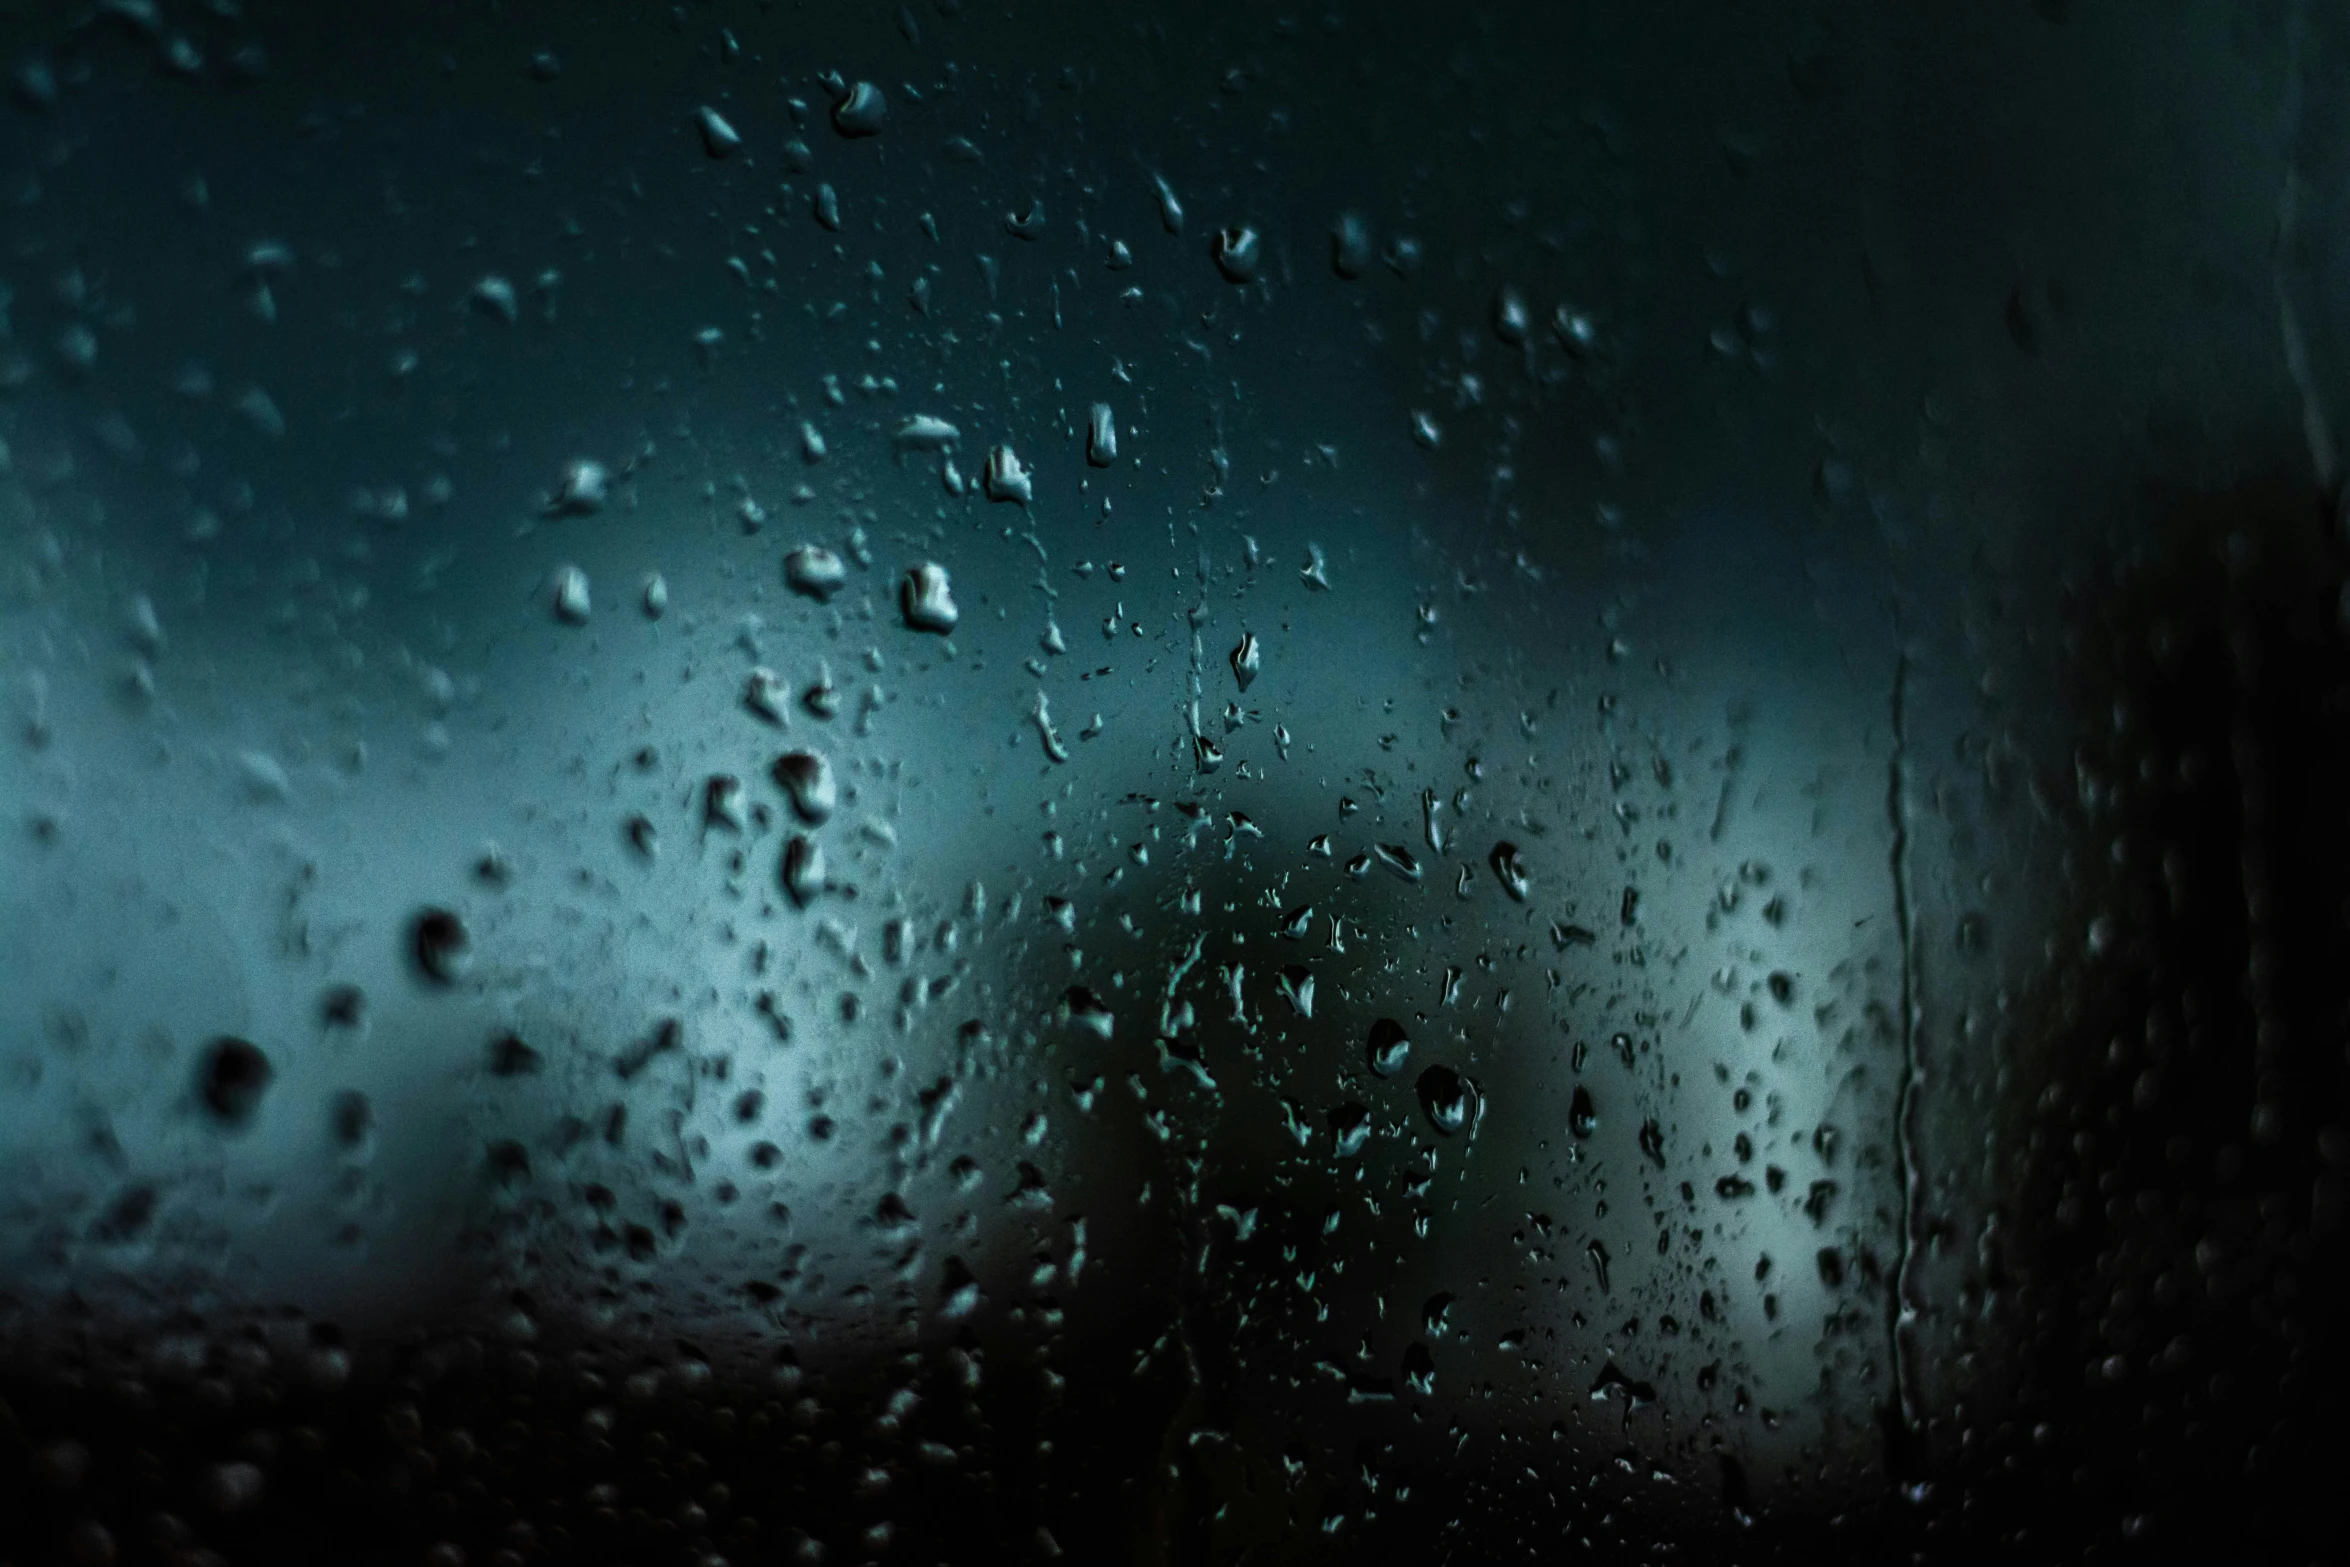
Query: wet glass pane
[{"x": 1203, "y": 783}]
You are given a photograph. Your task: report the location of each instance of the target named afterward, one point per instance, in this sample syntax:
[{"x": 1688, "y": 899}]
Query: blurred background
[{"x": 988, "y": 781}]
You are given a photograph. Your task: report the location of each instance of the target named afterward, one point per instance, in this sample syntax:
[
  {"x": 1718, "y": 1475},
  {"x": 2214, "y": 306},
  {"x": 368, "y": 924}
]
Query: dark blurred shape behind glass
[{"x": 999, "y": 781}]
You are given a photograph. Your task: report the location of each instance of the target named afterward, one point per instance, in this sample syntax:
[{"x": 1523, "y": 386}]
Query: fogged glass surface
[{"x": 837, "y": 782}]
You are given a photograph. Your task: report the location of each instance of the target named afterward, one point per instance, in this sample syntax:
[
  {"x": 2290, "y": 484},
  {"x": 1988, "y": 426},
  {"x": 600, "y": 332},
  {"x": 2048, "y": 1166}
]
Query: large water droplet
[
  {"x": 807, "y": 777},
  {"x": 1350, "y": 1129},
  {"x": 1509, "y": 869},
  {"x": 1449, "y": 1098},
  {"x": 722, "y": 802},
  {"x": 1027, "y": 224},
  {"x": 1237, "y": 252},
  {"x": 1390, "y": 1047},
  {"x": 494, "y": 295},
  {"x": 1101, "y": 436},
  {"x": 1083, "y": 1009},
  {"x": 1582, "y": 1115},
  {"x": 926, "y": 600},
  {"x": 1419, "y": 1369},
  {"x": 926, "y": 433},
  {"x": 862, "y": 112},
  {"x": 958, "y": 1290},
  {"x": 803, "y": 869},
  {"x": 1247, "y": 659},
  {"x": 1297, "y": 988},
  {"x": 231, "y": 1077},
  {"x": 442, "y": 946},
  {"x": 815, "y": 571},
  {"x": 1004, "y": 479}
]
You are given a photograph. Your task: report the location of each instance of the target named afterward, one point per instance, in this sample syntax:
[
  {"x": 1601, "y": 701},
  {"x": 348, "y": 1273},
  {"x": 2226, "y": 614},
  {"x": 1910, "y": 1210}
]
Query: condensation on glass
[{"x": 1183, "y": 784}]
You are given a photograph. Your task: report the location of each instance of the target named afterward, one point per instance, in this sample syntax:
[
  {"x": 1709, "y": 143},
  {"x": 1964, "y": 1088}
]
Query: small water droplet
[
  {"x": 1511, "y": 319},
  {"x": 1350, "y": 245},
  {"x": 234, "y": 1487},
  {"x": 1577, "y": 333},
  {"x": 764, "y": 693},
  {"x": 571, "y": 596},
  {"x": 262, "y": 413},
  {"x": 719, "y": 139},
  {"x": 822, "y": 698},
  {"x": 656, "y": 596},
  {"x": 494, "y": 295},
  {"x": 1170, "y": 209},
  {"x": 585, "y": 486},
  {"x": 264, "y": 777}
]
